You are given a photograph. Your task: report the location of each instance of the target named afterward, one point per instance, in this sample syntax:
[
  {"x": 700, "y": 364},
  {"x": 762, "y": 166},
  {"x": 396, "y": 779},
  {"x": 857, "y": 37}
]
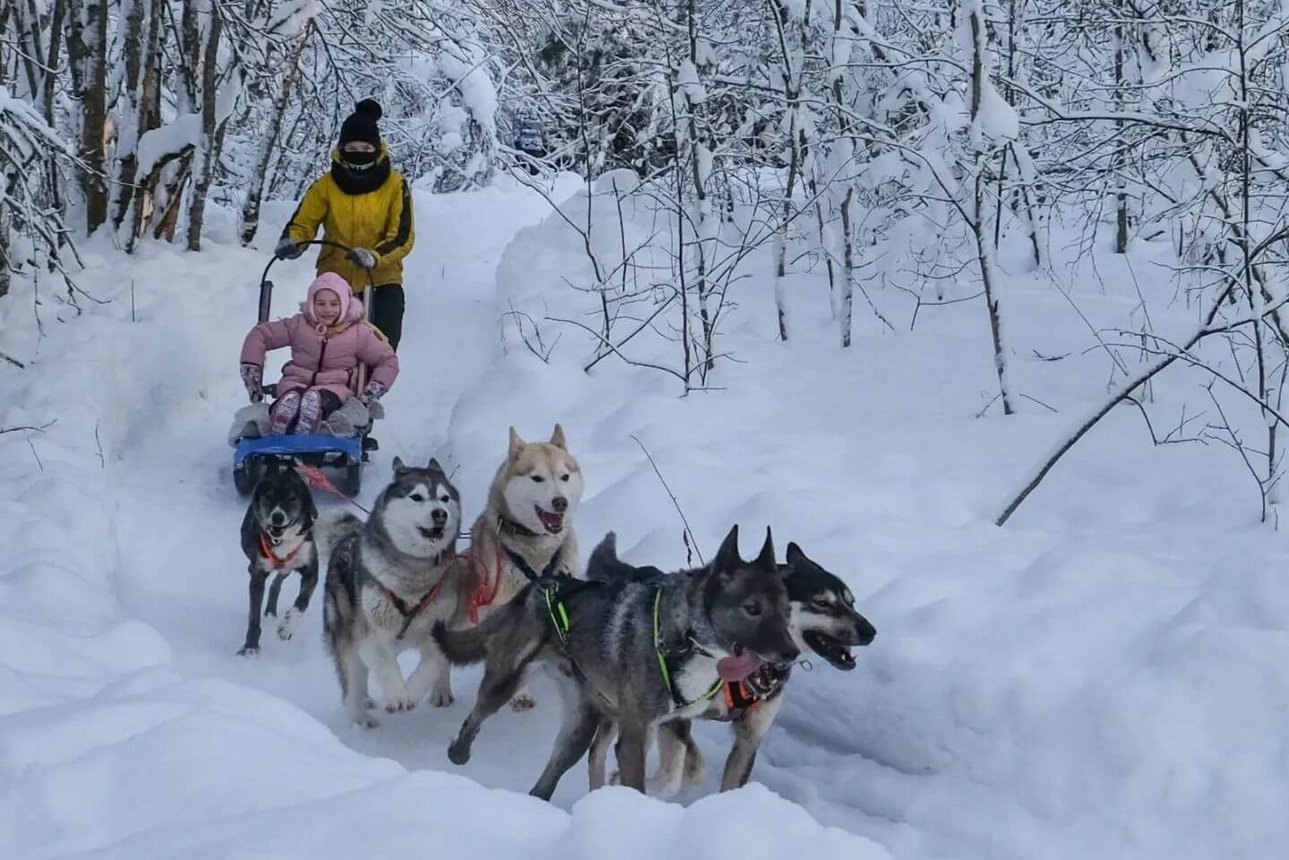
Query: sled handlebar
[{"x": 266, "y": 286}]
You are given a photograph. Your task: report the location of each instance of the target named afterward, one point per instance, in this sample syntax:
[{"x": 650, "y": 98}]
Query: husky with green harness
[
  {"x": 825, "y": 624},
  {"x": 632, "y": 654}
]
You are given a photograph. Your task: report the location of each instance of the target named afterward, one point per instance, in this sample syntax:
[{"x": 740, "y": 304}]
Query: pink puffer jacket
[{"x": 325, "y": 360}]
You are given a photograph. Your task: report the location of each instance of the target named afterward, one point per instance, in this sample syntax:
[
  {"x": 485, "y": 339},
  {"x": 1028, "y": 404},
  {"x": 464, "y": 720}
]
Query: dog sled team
[{"x": 636, "y": 653}]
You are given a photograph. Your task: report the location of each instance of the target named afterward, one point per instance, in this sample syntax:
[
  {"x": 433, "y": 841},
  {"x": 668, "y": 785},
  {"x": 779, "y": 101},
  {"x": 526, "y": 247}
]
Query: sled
[{"x": 344, "y": 442}]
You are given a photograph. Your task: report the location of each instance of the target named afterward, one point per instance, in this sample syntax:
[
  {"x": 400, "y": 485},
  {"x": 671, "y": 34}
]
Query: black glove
[
  {"x": 287, "y": 249},
  {"x": 253, "y": 378},
  {"x": 362, "y": 257}
]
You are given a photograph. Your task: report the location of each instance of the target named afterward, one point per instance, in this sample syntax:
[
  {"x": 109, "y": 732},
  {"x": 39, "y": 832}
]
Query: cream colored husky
[{"x": 526, "y": 530}]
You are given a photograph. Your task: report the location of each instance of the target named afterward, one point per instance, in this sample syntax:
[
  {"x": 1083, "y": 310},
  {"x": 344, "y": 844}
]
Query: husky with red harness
[
  {"x": 388, "y": 580},
  {"x": 277, "y": 539}
]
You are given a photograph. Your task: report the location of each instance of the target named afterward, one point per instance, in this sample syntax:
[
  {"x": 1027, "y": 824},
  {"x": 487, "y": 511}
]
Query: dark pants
[{"x": 386, "y": 311}]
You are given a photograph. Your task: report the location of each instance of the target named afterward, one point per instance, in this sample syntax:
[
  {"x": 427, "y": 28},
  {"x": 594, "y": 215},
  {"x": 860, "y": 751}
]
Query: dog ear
[
  {"x": 433, "y": 465},
  {"x": 557, "y": 438},
  {"x": 727, "y": 557},
  {"x": 795, "y": 556},
  {"x": 399, "y": 466},
  {"x": 516, "y": 444},
  {"x": 765, "y": 560}
]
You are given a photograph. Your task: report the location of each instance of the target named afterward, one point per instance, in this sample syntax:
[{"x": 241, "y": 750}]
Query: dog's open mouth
[
  {"x": 831, "y": 649},
  {"x": 739, "y": 666},
  {"x": 434, "y": 533},
  {"x": 553, "y": 523}
]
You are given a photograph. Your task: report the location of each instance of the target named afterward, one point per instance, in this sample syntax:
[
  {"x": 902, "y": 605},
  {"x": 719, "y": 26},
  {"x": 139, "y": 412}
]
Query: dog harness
[
  {"x": 409, "y": 613},
  {"x": 663, "y": 663},
  {"x": 552, "y": 589},
  {"x": 279, "y": 563},
  {"x": 482, "y": 595},
  {"x": 548, "y": 572},
  {"x": 742, "y": 697}
]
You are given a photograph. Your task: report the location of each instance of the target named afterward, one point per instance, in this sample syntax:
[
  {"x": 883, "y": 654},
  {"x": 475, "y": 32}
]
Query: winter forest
[{"x": 982, "y": 301}]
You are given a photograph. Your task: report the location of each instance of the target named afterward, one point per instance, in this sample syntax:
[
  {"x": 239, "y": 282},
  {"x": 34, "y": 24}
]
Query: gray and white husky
[
  {"x": 824, "y": 621},
  {"x": 630, "y": 653},
  {"x": 278, "y": 538},
  {"x": 388, "y": 581}
]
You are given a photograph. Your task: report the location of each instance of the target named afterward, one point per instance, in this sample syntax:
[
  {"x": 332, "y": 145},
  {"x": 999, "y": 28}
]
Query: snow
[
  {"x": 1104, "y": 677},
  {"x": 290, "y": 18}
]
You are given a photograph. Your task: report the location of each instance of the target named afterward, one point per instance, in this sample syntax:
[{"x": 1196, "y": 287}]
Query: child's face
[{"x": 326, "y": 306}]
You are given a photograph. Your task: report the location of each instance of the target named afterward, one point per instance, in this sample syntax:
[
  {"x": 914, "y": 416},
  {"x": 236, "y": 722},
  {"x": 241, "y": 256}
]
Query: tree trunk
[
  {"x": 138, "y": 196},
  {"x": 1121, "y": 196},
  {"x": 87, "y": 54},
  {"x": 136, "y": 44},
  {"x": 250, "y": 216},
  {"x": 984, "y": 251},
  {"x": 208, "y": 149}
]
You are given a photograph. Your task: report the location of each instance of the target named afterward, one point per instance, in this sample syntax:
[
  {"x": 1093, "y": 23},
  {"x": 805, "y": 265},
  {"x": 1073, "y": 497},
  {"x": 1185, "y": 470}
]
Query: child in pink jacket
[{"x": 329, "y": 340}]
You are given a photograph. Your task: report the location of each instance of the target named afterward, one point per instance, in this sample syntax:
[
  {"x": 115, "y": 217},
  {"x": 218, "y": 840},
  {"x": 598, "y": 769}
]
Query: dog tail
[
  {"x": 333, "y": 526},
  {"x": 465, "y": 646},
  {"x": 603, "y": 565}
]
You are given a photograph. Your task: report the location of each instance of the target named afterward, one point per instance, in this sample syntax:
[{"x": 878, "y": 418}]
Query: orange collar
[{"x": 272, "y": 556}]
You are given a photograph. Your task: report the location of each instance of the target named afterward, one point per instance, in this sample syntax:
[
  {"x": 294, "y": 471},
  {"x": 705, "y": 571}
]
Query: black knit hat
[{"x": 361, "y": 124}]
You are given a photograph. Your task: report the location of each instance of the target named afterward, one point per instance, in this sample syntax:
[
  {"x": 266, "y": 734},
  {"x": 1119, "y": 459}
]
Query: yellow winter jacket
[{"x": 359, "y": 211}]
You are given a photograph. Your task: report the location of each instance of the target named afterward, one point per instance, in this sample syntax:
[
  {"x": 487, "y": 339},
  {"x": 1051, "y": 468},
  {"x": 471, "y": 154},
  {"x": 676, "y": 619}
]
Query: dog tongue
[{"x": 738, "y": 668}]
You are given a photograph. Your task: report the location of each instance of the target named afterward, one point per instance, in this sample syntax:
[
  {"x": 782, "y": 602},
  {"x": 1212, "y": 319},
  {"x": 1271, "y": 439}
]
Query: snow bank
[{"x": 1102, "y": 678}]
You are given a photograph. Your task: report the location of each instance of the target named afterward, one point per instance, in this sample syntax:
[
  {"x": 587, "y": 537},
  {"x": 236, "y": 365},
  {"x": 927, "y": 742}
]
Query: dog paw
[
  {"x": 523, "y": 702},
  {"x": 286, "y": 629},
  {"x": 401, "y": 703},
  {"x": 458, "y": 753},
  {"x": 369, "y": 703},
  {"x": 660, "y": 787},
  {"x": 441, "y": 698},
  {"x": 695, "y": 772},
  {"x": 366, "y": 722},
  {"x": 249, "y": 651}
]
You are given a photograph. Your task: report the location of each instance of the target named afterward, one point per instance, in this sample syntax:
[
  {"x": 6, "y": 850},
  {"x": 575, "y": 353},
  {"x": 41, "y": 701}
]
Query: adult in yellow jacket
[{"x": 362, "y": 202}]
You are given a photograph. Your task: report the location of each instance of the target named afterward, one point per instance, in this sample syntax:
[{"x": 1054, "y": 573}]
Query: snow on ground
[{"x": 1102, "y": 677}]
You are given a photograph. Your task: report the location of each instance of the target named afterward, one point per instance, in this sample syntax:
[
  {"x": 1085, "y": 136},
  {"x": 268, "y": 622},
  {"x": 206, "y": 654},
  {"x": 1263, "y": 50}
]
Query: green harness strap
[
  {"x": 681, "y": 704},
  {"x": 558, "y": 615},
  {"x": 559, "y": 620}
]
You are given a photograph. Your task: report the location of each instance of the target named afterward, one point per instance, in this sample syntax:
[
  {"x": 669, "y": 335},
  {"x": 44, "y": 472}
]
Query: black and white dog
[{"x": 278, "y": 538}]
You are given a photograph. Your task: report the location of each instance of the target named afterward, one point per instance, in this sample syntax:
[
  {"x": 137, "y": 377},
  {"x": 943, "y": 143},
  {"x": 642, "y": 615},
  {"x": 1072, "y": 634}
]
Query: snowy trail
[
  {"x": 199, "y": 604},
  {"x": 450, "y": 343}
]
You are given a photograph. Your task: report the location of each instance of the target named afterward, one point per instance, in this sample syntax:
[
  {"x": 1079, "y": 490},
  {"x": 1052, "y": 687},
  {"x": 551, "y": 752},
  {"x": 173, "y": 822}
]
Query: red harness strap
[
  {"x": 279, "y": 563},
  {"x": 484, "y": 591},
  {"x": 409, "y": 615}
]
